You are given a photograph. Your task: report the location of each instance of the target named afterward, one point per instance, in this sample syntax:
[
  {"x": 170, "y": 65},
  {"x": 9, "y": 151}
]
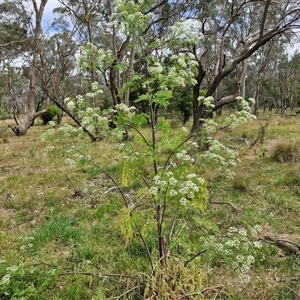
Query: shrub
[
  {"x": 241, "y": 183},
  {"x": 4, "y": 115},
  {"x": 53, "y": 112},
  {"x": 283, "y": 151}
]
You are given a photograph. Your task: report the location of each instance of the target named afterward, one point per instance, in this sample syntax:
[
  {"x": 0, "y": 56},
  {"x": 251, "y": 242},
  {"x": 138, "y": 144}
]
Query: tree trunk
[
  {"x": 197, "y": 107},
  {"x": 23, "y": 126}
]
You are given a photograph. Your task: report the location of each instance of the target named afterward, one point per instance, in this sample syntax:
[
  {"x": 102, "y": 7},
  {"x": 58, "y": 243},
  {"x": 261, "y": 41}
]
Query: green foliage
[
  {"x": 25, "y": 281},
  {"x": 163, "y": 174},
  {"x": 91, "y": 204},
  {"x": 128, "y": 172},
  {"x": 241, "y": 250},
  {"x": 59, "y": 228},
  {"x": 291, "y": 179},
  {"x": 4, "y": 115},
  {"x": 126, "y": 224},
  {"x": 53, "y": 112},
  {"x": 163, "y": 183},
  {"x": 105, "y": 210}
]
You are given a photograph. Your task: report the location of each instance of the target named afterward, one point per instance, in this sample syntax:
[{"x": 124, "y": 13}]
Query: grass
[{"x": 58, "y": 225}]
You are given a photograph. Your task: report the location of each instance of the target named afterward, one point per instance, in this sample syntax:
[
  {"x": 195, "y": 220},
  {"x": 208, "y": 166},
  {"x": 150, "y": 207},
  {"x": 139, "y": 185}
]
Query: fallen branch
[
  {"x": 261, "y": 135},
  {"x": 110, "y": 190},
  {"x": 194, "y": 256},
  {"x": 288, "y": 247},
  {"x": 218, "y": 289},
  {"x": 226, "y": 203},
  {"x": 97, "y": 274}
]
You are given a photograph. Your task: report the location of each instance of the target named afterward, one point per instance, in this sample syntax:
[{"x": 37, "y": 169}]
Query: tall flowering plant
[{"x": 162, "y": 171}]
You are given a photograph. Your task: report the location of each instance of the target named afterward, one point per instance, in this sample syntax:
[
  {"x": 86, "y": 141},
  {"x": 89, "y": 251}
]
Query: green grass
[{"x": 59, "y": 225}]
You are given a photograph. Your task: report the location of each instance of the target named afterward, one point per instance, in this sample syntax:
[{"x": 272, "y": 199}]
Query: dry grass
[{"x": 286, "y": 151}]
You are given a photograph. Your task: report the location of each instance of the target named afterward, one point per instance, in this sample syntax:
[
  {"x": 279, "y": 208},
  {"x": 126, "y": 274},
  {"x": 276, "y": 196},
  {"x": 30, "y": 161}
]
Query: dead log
[{"x": 288, "y": 247}]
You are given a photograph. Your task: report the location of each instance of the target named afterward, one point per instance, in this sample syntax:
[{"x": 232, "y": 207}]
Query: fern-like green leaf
[
  {"x": 201, "y": 198},
  {"x": 128, "y": 173},
  {"x": 125, "y": 223}
]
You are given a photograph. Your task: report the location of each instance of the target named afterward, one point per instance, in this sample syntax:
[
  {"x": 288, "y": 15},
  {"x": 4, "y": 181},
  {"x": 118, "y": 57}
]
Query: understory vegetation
[
  {"x": 148, "y": 171},
  {"x": 67, "y": 234}
]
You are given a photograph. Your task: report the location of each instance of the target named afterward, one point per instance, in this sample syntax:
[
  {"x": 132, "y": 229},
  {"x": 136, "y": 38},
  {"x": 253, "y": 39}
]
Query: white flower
[
  {"x": 156, "y": 69},
  {"x": 12, "y": 269},
  {"x": 162, "y": 183},
  {"x": 48, "y": 134},
  {"x": 173, "y": 193},
  {"x": 49, "y": 149},
  {"x": 242, "y": 232},
  {"x": 230, "y": 243},
  {"x": 195, "y": 145},
  {"x": 257, "y": 244},
  {"x": 71, "y": 162},
  {"x": 90, "y": 128},
  {"x": 95, "y": 86},
  {"x": 153, "y": 190},
  {"x": 121, "y": 146},
  {"x": 219, "y": 247},
  {"x": 79, "y": 99},
  {"x": 250, "y": 259},
  {"x": 191, "y": 176},
  {"x": 51, "y": 124},
  {"x": 5, "y": 279},
  {"x": 183, "y": 201},
  {"x": 240, "y": 258},
  {"x": 173, "y": 164},
  {"x": 257, "y": 228},
  {"x": 71, "y": 105},
  {"x": 244, "y": 278},
  {"x": 173, "y": 181},
  {"x": 156, "y": 178},
  {"x": 183, "y": 191},
  {"x": 201, "y": 180}
]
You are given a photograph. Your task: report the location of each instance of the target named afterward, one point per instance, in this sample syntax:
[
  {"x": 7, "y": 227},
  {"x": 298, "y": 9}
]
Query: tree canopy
[{"x": 225, "y": 40}]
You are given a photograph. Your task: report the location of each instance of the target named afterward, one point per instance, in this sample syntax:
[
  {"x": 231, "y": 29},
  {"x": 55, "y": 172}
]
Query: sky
[{"x": 48, "y": 16}]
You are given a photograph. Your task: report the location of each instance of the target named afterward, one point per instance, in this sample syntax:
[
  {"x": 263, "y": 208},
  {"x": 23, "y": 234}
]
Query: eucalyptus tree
[
  {"x": 294, "y": 87},
  {"x": 280, "y": 85},
  {"x": 263, "y": 72},
  {"x": 232, "y": 32},
  {"x": 57, "y": 73},
  {"x": 14, "y": 30},
  {"x": 100, "y": 27},
  {"x": 89, "y": 19},
  {"x": 14, "y": 37},
  {"x": 19, "y": 8},
  {"x": 226, "y": 35},
  {"x": 56, "y": 70}
]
